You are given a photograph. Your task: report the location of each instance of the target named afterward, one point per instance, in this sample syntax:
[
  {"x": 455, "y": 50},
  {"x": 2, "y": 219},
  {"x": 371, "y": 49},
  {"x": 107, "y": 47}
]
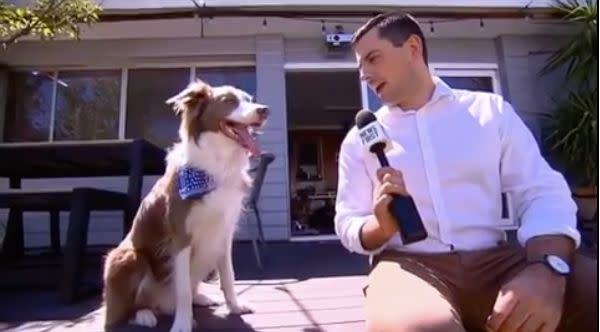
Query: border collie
[{"x": 184, "y": 227}]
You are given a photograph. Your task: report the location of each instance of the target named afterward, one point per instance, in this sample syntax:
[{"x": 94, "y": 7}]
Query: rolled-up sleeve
[
  {"x": 541, "y": 197},
  {"x": 354, "y": 202}
]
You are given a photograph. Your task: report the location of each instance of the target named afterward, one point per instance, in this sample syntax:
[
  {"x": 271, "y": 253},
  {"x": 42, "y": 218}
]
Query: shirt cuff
[
  {"x": 539, "y": 228},
  {"x": 354, "y": 237}
]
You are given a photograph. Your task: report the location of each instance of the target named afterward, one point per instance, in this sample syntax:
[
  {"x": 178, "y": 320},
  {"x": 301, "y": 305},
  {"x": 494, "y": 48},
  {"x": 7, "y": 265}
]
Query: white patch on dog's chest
[{"x": 212, "y": 219}]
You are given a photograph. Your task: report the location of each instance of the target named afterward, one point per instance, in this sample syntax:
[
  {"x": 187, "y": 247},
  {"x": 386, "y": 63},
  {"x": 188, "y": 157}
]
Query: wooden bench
[{"x": 80, "y": 202}]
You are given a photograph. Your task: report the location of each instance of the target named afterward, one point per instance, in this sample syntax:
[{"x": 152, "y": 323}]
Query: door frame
[{"x": 329, "y": 66}]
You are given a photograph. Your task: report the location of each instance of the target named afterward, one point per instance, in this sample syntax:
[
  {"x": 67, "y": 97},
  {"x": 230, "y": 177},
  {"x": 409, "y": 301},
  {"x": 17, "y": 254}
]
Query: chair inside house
[{"x": 258, "y": 172}]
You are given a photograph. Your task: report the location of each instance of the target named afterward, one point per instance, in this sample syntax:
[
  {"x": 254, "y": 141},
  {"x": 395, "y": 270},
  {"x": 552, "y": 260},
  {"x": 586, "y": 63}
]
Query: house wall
[
  {"x": 265, "y": 51},
  {"x": 518, "y": 59},
  {"x": 121, "y": 5}
]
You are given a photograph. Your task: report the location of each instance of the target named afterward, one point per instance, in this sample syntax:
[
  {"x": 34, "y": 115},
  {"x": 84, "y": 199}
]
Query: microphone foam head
[
  {"x": 370, "y": 131},
  {"x": 363, "y": 118}
]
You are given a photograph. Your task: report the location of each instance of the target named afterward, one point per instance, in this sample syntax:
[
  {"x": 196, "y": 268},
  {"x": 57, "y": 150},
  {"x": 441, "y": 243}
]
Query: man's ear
[
  {"x": 415, "y": 45},
  {"x": 191, "y": 99}
]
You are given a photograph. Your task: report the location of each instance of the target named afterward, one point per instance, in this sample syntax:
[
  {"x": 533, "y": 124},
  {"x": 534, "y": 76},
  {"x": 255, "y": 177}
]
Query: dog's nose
[{"x": 263, "y": 112}]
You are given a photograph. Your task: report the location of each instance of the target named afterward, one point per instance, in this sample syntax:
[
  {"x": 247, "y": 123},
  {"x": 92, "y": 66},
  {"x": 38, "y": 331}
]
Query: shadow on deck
[{"x": 306, "y": 287}]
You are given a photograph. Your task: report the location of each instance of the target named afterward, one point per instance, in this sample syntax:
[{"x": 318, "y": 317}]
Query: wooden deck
[{"x": 305, "y": 287}]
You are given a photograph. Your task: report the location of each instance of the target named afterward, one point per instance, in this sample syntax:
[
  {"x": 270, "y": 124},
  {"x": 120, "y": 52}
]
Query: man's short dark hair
[{"x": 394, "y": 27}]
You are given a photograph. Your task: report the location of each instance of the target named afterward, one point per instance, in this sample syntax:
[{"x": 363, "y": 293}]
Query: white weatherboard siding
[
  {"x": 136, "y": 5},
  {"x": 517, "y": 57},
  {"x": 270, "y": 80}
]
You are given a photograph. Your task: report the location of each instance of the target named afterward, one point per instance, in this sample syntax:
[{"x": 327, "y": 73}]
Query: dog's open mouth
[{"x": 244, "y": 134}]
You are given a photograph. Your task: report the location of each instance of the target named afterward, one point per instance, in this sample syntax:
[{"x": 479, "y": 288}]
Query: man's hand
[
  {"x": 390, "y": 182},
  {"x": 531, "y": 302},
  {"x": 377, "y": 231}
]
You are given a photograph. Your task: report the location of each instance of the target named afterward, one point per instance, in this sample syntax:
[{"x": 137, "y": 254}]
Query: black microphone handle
[{"x": 404, "y": 210}]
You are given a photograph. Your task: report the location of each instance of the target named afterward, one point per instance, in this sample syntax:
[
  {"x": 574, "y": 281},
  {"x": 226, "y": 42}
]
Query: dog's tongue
[{"x": 247, "y": 141}]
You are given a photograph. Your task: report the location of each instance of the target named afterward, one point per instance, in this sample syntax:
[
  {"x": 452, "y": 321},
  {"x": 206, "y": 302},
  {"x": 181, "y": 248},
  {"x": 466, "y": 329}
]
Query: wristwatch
[{"x": 555, "y": 263}]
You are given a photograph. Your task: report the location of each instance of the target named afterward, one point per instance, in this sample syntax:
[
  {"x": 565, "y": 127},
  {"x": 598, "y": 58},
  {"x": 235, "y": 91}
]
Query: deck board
[{"x": 286, "y": 296}]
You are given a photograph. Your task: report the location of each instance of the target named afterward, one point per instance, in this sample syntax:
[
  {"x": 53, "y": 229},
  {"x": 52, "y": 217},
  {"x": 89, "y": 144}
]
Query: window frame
[
  {"x": 53, "y": 71},
  {"x": 469, "y": 70}
]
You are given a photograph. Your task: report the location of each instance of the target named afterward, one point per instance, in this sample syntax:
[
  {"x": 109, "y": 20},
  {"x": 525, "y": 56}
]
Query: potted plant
[{"x": 572, "y": 128}]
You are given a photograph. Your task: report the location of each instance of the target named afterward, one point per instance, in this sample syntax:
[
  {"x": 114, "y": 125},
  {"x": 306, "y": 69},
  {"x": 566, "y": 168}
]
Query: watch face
[{"x": 558, "y": 264}]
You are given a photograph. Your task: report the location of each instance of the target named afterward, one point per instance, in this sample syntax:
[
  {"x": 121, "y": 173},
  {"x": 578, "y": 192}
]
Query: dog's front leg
[
  {"x": 227, "y": 277},
  {"x": 184, "y": 316}
]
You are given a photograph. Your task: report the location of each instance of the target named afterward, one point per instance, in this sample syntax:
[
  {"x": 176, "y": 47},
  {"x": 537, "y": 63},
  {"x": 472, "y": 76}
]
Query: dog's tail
[{"x": 124, "y": 269}]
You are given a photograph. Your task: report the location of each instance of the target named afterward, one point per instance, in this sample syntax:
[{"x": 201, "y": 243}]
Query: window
[
  {"x": 240, "y": 77},
  {"x": 374, "y": 101},
  {"x": 85, "y": 105},
  {"x": 474, "y": 79},
  {"x": 28, "y": 107},
  {"x": 147, "y": 114},
  {"x": 475, "y": 83}
]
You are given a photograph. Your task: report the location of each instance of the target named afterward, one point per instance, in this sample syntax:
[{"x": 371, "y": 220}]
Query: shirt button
[{"x": 452, "y": 247}]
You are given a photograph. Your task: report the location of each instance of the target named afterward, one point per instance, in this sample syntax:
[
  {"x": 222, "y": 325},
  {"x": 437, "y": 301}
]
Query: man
[{"x": 455, "y": 152}]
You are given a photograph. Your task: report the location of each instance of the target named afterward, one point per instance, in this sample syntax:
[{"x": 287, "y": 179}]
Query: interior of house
[{"x": 321, "y": 108}]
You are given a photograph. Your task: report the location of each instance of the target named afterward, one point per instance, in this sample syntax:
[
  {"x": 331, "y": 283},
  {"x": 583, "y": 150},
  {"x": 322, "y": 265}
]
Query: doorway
[{"x": 321, "y": 105}]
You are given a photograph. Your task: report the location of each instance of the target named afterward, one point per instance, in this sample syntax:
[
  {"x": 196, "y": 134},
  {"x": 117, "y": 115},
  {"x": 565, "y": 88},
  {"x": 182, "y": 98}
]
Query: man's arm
[
  {"x": 355, "y": 222},
  {"x": 372, "y": 236},
  {"x": 541, "y": 195}
]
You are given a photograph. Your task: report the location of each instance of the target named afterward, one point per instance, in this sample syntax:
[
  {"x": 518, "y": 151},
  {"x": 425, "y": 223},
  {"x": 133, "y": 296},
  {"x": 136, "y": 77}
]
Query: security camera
[{"x": 338, "y": 39}]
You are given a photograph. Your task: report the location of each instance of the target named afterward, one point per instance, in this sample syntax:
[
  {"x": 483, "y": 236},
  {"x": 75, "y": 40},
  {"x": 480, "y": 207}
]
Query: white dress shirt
[{"x": 457, "y": 154}]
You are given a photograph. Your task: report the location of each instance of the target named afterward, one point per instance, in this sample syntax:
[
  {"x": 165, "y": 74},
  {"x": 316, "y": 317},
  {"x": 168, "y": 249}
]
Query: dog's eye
[{"x": 228, "y": 98}]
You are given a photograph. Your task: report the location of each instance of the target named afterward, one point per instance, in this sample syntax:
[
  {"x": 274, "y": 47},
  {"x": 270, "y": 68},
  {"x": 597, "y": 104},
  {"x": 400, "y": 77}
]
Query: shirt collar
[{"x": 440, "y": 91}]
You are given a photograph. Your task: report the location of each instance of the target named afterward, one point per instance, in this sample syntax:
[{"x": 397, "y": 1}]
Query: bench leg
[
  {"x": 55, "y": 230},
  {"x": 75, "y": 246},
  {"x": 13, "y": 246}
]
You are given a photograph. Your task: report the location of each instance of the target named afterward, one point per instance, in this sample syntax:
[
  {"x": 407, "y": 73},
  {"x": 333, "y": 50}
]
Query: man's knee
[
  {"x": 581, "y": 303},
  {"x": 424, "y": 322}
]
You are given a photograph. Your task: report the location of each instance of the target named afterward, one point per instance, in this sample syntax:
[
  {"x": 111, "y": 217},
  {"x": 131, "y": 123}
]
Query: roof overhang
[{"x": 126, "y": 10}]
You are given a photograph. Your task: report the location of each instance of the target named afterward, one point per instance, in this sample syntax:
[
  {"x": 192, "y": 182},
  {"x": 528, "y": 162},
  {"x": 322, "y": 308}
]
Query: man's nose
[{"x": 364, "y": 76}]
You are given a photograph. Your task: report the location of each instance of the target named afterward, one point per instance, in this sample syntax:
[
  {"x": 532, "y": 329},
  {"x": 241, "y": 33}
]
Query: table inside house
[{"x": 133, "y": 158}]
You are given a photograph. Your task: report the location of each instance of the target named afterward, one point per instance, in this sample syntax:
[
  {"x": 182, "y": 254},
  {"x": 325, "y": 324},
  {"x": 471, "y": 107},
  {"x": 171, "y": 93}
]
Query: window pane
[
  {"x": 483, "y": 83},
  {"x": 240, "y": 77},
  {"x": 148, "y": 116},
  {"x": 87, "y": 105},
  {"x": 28, "y": 106},
  {"x": 374, "y": 101}
]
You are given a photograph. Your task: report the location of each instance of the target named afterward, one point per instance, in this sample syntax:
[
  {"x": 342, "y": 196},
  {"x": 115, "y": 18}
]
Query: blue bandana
[{"x": 194, "y": 183}]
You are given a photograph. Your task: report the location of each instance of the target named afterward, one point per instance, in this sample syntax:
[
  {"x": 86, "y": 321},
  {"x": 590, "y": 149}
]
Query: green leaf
[{"x": 46, "y": 18}]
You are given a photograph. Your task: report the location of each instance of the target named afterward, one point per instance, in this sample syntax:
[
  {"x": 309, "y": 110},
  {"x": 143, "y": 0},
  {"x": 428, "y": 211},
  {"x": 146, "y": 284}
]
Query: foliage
[
  {"x": 573, "y": 136},
  {"x": 46, "y": 19},
  {"x": 573, "y": 125}
]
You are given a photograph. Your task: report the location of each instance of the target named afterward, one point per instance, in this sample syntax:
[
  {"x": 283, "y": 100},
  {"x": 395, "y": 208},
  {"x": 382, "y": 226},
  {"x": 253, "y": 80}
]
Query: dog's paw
[
  {"x": 240, "y": 308},
  {"x": 145, "y": 318},
  {"x": 204, "y": 300},
  {"x": 182, "y": 324}
]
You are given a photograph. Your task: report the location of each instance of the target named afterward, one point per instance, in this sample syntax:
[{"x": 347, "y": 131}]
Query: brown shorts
[{"x": 456, "y": 291}]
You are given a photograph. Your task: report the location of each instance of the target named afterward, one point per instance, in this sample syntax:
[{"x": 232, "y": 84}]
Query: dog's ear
[{"x": 191, "y": 99}]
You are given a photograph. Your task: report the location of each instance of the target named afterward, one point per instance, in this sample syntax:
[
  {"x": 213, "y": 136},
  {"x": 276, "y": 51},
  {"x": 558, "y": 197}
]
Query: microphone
[{"x": 402, "y": 208}]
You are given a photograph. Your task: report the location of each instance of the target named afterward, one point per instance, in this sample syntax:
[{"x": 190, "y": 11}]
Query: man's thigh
[
  {"x": 580, "y": 311},
  {"x": 399, "y": 300},
  {"x": 581, "y": 296}
]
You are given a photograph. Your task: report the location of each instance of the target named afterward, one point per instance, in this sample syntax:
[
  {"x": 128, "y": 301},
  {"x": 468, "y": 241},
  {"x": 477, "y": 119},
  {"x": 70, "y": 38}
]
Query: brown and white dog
[{"x": 175, "y": 243}]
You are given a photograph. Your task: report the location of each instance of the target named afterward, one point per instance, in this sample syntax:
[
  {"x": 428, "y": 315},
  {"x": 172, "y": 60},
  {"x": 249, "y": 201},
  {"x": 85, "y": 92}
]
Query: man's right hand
[
  {"x": 377, "y": 232},
  {"x": 390, "y": 182}
]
